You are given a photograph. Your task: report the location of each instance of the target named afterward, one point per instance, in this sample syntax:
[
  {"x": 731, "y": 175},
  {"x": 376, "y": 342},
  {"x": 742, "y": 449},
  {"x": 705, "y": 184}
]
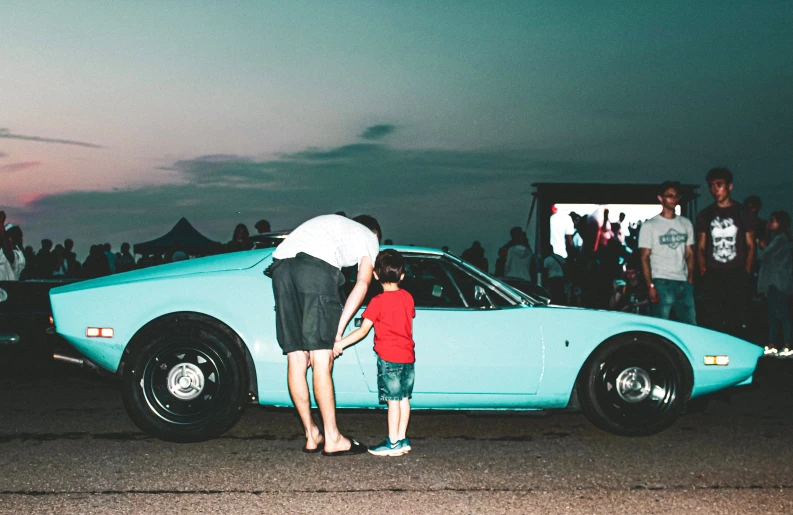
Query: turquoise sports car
[{"x": 193, "y": 342}]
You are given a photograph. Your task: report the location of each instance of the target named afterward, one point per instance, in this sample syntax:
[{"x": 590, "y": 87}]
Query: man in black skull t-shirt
[{"x": 725, "y": 250}]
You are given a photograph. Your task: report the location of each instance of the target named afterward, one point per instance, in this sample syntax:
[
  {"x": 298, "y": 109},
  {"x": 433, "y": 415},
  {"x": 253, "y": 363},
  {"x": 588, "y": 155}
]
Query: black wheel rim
[
  {"x": 183, "y": 382},
  {"x": 637, "y": 386}
]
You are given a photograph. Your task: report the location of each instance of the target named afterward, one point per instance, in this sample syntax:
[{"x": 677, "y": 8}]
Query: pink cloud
[
  {"x": 31, "y": 198},
  {"x": 15, "y": 167}
]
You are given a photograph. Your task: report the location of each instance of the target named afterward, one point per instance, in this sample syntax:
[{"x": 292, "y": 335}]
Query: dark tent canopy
[{"x": 190, "y": 241}]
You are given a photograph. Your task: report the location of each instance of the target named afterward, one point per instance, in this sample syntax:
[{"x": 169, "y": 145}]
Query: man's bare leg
[
  {"x": 322, "y": 364},
  {"x": 298, "y": 362}
]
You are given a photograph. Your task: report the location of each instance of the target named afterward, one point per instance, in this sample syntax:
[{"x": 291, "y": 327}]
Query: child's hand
[{"x": 337, "y": 350}]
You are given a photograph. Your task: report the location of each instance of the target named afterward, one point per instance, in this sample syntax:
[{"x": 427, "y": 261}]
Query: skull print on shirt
[{"x": 725, "y": 236}]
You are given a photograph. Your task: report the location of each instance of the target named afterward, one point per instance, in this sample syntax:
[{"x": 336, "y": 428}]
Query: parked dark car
[{"x": 25, "y": 318}]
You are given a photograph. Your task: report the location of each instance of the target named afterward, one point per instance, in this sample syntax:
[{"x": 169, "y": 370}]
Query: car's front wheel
[
  {"x": 634, "y": 385},
  {"x": 185, "y": 379}
]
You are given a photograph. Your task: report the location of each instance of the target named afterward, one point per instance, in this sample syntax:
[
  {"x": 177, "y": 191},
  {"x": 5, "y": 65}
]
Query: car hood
[{"x": 219, "y": 263}]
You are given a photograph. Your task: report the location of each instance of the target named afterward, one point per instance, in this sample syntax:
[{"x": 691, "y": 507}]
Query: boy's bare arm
[{"x": 352, "y": 338}]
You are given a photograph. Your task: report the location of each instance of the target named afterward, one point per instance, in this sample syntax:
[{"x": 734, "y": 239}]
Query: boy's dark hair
[
  {"x": 669, "y": 185},
  {"x": 719, "y": 173},
  {"x": 389, "y": 265},
  {"x": 370, "y": 223}
]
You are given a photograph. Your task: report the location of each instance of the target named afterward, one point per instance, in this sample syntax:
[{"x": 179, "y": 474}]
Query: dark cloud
[
  {"x": 5, "y": 133},
  {"x": 15, "y": 167},
  {"x": 426, "y": 197},
  {"x": 354, "y": 151},
  {"x": 378, "y": 131}
]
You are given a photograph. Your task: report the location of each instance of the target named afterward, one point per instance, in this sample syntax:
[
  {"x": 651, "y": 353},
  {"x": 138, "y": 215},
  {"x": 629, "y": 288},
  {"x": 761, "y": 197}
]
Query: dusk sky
[{"x": 118, "y": 118}]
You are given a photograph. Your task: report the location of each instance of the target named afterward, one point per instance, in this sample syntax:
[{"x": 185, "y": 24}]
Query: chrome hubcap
[
  {"x": 185, "y": 381},
  {"x": 634, "y": 384}
]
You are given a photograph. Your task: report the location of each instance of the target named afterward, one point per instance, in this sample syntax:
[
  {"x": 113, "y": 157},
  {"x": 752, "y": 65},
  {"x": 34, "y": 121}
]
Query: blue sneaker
[
  {"x": 406, "y": 444},
  {"x": 388, "y": 448}
]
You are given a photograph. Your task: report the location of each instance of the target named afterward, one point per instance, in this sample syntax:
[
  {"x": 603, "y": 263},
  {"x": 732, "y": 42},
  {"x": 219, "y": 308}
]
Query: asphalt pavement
[{"x": 67, "y": 446}]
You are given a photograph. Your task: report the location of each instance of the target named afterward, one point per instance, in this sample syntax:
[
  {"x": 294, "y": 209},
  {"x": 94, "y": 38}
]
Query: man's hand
[{"x": 653, "y": 295}]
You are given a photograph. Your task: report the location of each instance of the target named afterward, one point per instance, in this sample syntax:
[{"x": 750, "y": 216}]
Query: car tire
[
  {"x": 634, "y": 385},
  {"x": 185, "y": 379}
]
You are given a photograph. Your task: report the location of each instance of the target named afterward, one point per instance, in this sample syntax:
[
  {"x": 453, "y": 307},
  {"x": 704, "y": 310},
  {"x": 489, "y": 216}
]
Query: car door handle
[{"x": 358, "y": 321}]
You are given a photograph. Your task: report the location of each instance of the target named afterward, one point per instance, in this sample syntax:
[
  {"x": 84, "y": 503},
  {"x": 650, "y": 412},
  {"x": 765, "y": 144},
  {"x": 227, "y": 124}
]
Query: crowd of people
[
  {"x": 714, "y": 272},
  {"x": 54, "y": 261}
]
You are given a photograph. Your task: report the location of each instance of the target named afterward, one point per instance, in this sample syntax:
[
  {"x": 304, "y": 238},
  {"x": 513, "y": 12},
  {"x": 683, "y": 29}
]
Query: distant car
[
  {"x": 194, "y": 341},
  {"x": 25, "y": 317},
  {"x": 268, "y": 240}
]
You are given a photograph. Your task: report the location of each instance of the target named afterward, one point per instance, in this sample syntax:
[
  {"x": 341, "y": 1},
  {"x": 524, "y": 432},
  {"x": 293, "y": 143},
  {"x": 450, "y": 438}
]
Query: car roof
[{"x": 409, "y": 249}]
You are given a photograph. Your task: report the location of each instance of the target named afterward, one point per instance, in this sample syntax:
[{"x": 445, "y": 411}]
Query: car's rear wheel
[
  {"x": 185, "y": 379},
  {"x": 634, "y": 385}
]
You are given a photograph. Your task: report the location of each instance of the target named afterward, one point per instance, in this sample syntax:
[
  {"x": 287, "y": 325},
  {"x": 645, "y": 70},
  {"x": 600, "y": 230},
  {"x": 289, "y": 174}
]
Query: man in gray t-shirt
[{"x": 666, "y": 247}]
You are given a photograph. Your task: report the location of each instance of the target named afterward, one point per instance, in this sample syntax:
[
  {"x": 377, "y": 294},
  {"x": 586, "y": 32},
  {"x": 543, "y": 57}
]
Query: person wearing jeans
[
  {"x": 678, "y": 295},
  {"x": 776, "y": 282},
  {"x": 666, "y": 248}
]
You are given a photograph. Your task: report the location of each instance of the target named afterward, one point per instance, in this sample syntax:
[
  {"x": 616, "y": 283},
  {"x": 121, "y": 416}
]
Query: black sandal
[{"x": 355, "y": 449}]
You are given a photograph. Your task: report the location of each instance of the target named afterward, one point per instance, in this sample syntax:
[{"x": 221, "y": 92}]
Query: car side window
[
  {"x": 467, "y": 284},
  {"x": 350, "y": 274},
  {"x": 430, "y": 285},
  {"x": 426, "y": 279}
]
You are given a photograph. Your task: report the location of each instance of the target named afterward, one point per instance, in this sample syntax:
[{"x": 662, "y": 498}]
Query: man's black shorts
[{"x": 307, "y": 302}]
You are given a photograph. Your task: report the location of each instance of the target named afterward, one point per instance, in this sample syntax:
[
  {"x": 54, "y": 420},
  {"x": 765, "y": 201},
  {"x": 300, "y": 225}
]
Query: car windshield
[{"x": 521, "y": 296}]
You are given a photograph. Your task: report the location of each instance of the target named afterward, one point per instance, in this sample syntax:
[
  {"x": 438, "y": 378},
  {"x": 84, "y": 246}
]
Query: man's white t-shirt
[
  {"x": 334, "y": 239},
  {"x": 561, "y": 226},
  {"x": 667, "y": 239},
  {"x": 11, "y": 272}
]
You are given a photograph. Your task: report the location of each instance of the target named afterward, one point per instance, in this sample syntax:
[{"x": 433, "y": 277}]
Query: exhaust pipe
[{"x": 78, "y": 362}]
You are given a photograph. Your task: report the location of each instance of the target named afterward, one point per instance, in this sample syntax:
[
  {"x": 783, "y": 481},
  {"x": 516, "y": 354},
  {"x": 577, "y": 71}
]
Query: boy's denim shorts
[{"x": 395, "y": 380}]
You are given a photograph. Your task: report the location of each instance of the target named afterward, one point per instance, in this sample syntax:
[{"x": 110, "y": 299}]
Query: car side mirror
[{"x": 479, "y": 293}]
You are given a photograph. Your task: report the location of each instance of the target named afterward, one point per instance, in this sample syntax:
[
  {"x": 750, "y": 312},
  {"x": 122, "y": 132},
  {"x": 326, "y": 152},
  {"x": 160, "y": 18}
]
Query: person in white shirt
[
  {"x": 553, "y": 276},
  {"x": 666, "y": 248},
  {"x": 520, "y": 259},
  {"x": 12, "y": 258},
  {"x": 306, "y": 275},
  {"x": 562, "y": 230}
]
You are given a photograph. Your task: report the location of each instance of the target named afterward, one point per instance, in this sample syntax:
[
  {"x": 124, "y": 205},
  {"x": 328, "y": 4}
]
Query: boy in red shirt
[{"x": 391, "y": 313}]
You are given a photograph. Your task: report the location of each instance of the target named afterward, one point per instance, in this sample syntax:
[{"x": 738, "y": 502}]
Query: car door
[{"x": 467, "y": 343}]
